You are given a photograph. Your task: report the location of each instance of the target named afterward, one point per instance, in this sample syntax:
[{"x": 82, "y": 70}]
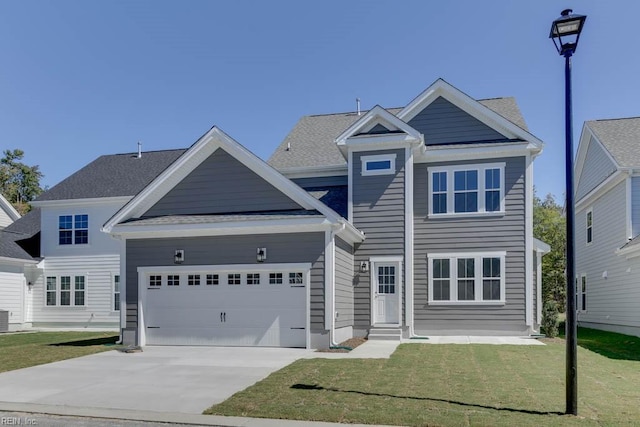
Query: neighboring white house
[
  {"x": 607, "y": 225},
  {"x": 8, "y": 213}
]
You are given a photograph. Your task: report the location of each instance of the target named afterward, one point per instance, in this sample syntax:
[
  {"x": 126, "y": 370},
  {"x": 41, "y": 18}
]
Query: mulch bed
[{"x": 352, "y": 342}]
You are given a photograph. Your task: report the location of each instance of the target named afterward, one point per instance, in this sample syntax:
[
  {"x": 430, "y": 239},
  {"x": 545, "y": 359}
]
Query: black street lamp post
[{"x": 565, "y": 33}]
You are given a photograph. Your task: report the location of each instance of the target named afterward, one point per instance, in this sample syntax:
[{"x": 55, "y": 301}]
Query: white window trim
[
  {"x": 580, "y": 294},
  {"x": 450, "y": 170},
  {"x": 477, "y": 277},
  {"x": 391, "y": 158},
  {"x": 586, "y": 226},
  {"x": 73, "y": 230},
  {"x": 72, "y": 291},
  {"x": 113, "y": 292}
]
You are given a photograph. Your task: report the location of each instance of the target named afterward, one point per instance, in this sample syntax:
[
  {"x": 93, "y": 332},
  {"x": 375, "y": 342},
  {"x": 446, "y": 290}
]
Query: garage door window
[
  {"x": 233, "y": 279},
  {"x": 194, "y": 280},
  {"x": 295, "y": 278},
  {"x": 173, "y": 280},
  {"x": 212, "y": 279},
  {"x": 253, "y": 278},
  {"x": 275, "y": 278},
  {"x": 155, "y": 281}
]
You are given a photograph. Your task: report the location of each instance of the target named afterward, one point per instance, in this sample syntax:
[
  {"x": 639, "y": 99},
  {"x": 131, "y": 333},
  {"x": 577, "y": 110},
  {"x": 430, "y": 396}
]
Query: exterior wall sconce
[
  {"x": 30, "y": 286},
  {"x": 364, "y": 267},
  {"x": 178, "y": 256},
  {"x": 261, "y": 254}
]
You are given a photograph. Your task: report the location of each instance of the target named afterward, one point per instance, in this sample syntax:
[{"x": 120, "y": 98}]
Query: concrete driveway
[{"x": 164, "y": 379}]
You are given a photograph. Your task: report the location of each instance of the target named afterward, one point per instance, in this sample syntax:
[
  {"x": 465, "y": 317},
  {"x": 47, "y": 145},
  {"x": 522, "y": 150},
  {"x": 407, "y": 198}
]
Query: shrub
[{"x": 550, "y": 319}]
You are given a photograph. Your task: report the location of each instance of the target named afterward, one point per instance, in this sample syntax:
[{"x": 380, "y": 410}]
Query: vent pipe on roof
[
  {"x": 288, "y": 146},
  {"x": 358, "y": 105},
  {"x": 139, "y": 149}
]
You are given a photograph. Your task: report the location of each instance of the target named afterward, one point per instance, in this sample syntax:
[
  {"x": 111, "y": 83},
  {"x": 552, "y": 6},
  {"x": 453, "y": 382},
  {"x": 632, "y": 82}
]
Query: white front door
[{"x": 386, "y": 293}]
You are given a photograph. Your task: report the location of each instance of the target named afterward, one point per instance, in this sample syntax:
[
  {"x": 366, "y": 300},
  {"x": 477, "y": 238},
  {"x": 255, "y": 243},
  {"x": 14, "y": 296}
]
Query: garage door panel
[{"x": 245, "y": 337}]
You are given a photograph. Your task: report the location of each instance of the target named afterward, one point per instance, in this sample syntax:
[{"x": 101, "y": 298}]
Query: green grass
[
  {"x": 450, "y": 385},
  {"x": 29, "y": 349},
  {"x": 609, "y": 344}
]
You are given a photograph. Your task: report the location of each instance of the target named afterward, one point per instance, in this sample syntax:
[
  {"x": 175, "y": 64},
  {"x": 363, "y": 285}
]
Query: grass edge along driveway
[
  {"x": 23, "y": 350},
  {"x": 452, "y": 385}
]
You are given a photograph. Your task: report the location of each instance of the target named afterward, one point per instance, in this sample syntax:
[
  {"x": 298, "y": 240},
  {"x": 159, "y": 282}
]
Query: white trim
[
  {"x": 194, "y": 156},
  {"x": 329, "y": 281},
  {"x": 81, "y": 202},
  {"x": 146, "y": 270},
  {"x": 17, "y": 261},
  {"x": 397, "y": 261},
  {"x": 451, "y": 170},
  {"x": 580, "y": 294},
  {"x": 72, "y": 291},
  {"x": 528, "y": 241},
  {"x": 408, "y": 239},
  {"x": 375, "y": 116},
  {"x": 586, "y": 226},
  {"x": 314, "y": 171},
  {"x": 606, "y": 185},
  {"x": 453, "y": 277},
  {"x": 391, "y": 158},
  {"x": 485, "y": 151},
  {"x": 123, "y": 286},
  {"x": 350, "y": 187},
  {"x": 629, "y": 206},
  {"x": 441, "y": 88},
  {"x": 586, "y": 137},
  {"x": 8, "y": 208}
]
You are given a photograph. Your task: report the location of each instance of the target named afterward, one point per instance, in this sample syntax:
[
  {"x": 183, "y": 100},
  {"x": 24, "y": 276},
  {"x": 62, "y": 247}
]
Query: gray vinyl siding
[
  {"x": 613, "y": 300},
  {"x": 480, "y": 234},
  {"x": 597, "y": 167},
  {"x": 635, "y": 206},
  {"x": 344, "y": 284},
  {"x": 536, "y": 321},
  {"x": 221, "y": 184},
  {"x": 221, "y": 250},
  {"x": 378, "y": 211},
  {"x": 321, "y": 181},
  {"x": 441, "y": 122}
]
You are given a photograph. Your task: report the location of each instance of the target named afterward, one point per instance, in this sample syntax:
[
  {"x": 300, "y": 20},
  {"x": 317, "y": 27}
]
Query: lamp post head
[{"x": 565, "y": 32}]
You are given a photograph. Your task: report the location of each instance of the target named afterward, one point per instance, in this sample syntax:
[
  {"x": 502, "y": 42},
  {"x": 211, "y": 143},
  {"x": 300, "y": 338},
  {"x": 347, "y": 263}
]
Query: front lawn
[
  {"x": 450, "y": 385},
  {"x": 29, "y": 349}
]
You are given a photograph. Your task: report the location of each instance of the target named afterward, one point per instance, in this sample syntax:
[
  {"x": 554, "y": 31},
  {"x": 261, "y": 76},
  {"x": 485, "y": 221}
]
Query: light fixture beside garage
[
  {"x": 178, "y": 256},
  {"x": 261, "y": 254},
  {"x": 364, "y": 267}
]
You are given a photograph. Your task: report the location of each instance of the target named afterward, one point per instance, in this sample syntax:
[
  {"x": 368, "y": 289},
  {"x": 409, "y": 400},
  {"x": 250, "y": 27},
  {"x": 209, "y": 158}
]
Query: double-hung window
[
  {"x": 581, "y": 293},
  {"x": 466, "y": 190},
  {"x": 589, "y": 226},
  {"x": 73, "y": 229},
  {"x": 65, "y": 291},
  {"x": 116, "y": 292},
  {"x": 467, "y": 278}
]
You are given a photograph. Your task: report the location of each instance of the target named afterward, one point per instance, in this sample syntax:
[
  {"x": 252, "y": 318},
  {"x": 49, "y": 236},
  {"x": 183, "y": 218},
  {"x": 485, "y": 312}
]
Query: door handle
[
  {"x": 224, "y": 316},
  {"x": 221, "y": 317}
]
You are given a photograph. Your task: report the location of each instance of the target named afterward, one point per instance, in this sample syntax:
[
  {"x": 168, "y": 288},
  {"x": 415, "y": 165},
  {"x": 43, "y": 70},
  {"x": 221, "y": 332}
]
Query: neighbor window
[
  {"x": 467, "y": 278},
  {"x": 73, "y": 229},
  {"x": 382, "y": 164},
  {"x": 71, "y": 291},
  {"x": 116, "y": 293},
  {"x": 589, "y": 226},
  {"x": 466, "y": 189}
]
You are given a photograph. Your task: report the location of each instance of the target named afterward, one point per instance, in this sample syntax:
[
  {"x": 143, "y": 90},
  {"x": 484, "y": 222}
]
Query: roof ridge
[
  {"x": 613, "y": 119},
  {"x": 495, "y": 97},
  {"x": 150, "y": 151},
  {"x": 348, "y": 113}
]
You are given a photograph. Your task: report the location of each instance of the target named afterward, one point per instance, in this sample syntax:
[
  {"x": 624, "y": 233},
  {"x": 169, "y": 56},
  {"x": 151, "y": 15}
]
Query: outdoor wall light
[
  {"x": 364, "y": 267},
  {"x": 30, "y": 286},
  {"x": 261, "y": 254},
  {"x": 178, "y": 256}
]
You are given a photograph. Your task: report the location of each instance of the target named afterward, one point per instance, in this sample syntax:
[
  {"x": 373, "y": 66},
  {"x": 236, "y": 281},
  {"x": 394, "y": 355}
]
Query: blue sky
[{"x": 81, "y": 79}]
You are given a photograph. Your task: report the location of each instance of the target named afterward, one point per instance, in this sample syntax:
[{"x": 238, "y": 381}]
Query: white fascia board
[
  {"x": 9, "y": 209},
  {"x": 470, "y": 106},
  {"x": 130, "y": 231},
  {"x": 630, "y": 252},
  {"x": 473, "y": 153},
  {"x": 193, "y": 157},
  {"x": 81, "y": 202},
  {"x": 17, "y": 261},
  {"x": 540, "y": 246},
  {"x": 374, "y": 116},
  {"x": 350, "y": 233},
  {"x": 315, "y": 171},
  {"x": 371, "y": 142},
  {"x": 606, "y": 185}
]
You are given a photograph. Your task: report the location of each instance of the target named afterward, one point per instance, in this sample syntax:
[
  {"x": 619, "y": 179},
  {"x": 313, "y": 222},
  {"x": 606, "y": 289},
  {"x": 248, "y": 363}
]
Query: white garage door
[{"x": 226, "y": 306}]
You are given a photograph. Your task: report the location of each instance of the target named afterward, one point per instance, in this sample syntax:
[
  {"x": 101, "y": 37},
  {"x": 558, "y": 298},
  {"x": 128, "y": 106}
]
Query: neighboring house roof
[
  {"x": 312, "y": 141},
  {"x": 8, "y": 209},
  {"x": 20, "y": 240},
  {"x": 631, "y": 243},
  {"x": 620, "y": 137},
  {"x": 113, "y": 176}
]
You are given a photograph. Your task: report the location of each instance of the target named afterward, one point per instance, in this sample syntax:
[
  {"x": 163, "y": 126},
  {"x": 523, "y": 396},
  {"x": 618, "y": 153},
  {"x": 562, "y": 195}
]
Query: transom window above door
[{"x": 463, "y": 190}]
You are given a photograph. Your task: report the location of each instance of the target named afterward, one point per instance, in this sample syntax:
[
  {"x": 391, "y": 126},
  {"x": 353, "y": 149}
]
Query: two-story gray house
[
  {"x": 409, "y": 221},
  {"x": 607, "y": 224}
]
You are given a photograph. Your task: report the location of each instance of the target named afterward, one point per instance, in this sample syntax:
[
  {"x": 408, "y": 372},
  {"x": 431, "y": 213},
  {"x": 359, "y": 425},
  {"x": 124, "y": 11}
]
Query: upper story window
[
  {"x": 380, "y": 164},
  {"x": 73, "y": 229},
  {"x": 589, "y": 226},
  {"x": 467, "y": 278},
  {"x": 466, "y": 190}
]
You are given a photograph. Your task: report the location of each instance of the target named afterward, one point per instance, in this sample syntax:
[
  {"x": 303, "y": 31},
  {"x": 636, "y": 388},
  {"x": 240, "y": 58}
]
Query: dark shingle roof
[
  {"x": 17, "y": 240},
  {"x": 335, "y": 197},
  {"x": 312, "y": 140},
  {"x": 113, "y": 176},
  {"x": 621, "y": 138}
]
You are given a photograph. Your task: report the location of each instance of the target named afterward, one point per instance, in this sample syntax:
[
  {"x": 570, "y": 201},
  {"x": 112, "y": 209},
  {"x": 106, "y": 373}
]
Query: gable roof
[
  {"x": 377, "y": 117},
  {"x": 15, "y": 238},
  {"x": 311, "y": 143},
  {"x": 112, "y": 176},
  {"x": 8, "y": 208},
  {"x": 620, "y": 137}
]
